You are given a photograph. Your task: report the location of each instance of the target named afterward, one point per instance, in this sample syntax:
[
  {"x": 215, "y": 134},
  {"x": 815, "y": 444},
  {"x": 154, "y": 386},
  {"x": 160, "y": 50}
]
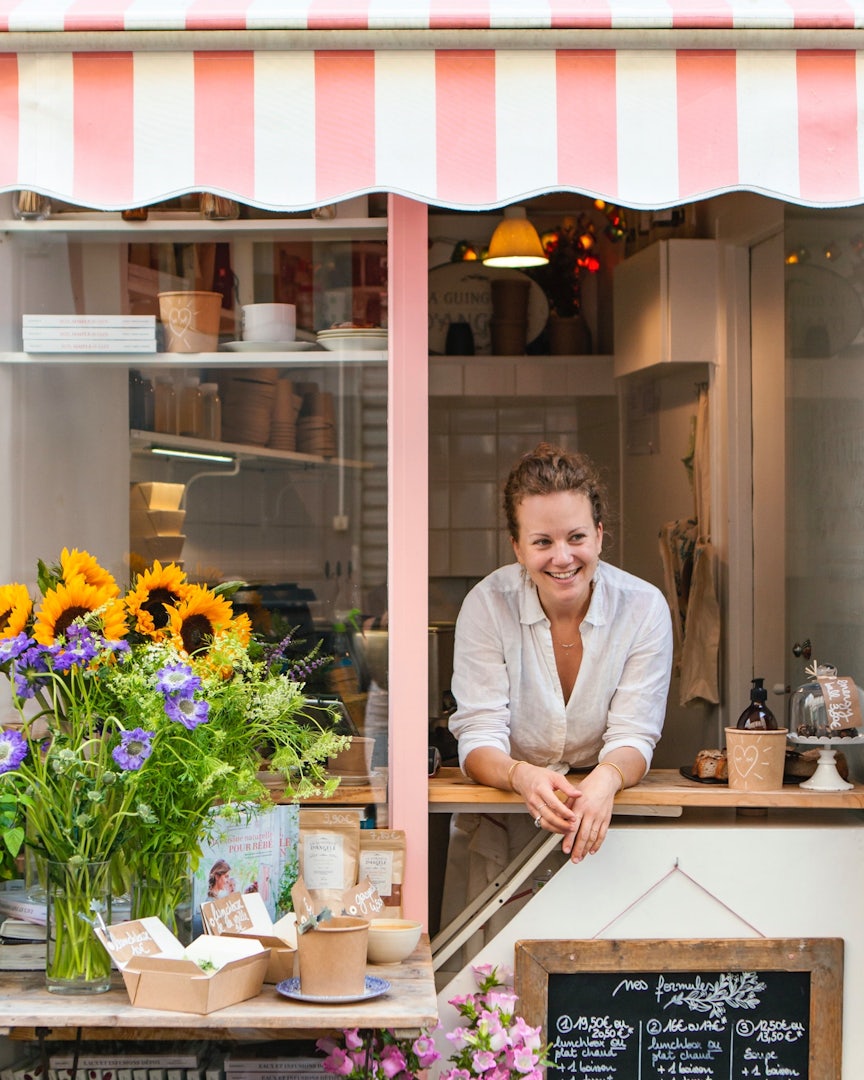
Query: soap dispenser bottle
[{"x": 757, "y": 716}]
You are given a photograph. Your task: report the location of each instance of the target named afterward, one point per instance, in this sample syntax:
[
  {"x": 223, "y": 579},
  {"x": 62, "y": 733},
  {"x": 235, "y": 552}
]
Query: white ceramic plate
[
  {"x": 269, "y": 346},
  {"x": 350, "y": 342},
  {"x": 374, "y": 988}
]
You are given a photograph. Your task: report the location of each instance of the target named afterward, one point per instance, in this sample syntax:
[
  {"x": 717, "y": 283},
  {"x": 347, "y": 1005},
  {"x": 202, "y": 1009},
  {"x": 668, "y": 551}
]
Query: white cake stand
[{"x": 826, "y": 777}]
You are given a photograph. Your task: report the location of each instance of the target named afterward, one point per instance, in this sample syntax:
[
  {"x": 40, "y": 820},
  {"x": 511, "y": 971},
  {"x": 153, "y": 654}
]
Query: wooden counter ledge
[{"x": 450, "y": 791}]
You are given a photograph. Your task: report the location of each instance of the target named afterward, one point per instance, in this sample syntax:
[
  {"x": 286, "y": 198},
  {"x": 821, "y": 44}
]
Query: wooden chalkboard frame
[{"x": 535, "y": 961}]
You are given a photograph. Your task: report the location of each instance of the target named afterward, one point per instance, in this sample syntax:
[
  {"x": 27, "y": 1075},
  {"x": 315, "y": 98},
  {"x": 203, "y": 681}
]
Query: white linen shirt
[{"x": 506, "y": 684}]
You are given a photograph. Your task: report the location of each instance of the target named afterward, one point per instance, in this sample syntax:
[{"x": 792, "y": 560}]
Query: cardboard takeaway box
[
  {"x": 244, "y": 915},
  {"x": 160, "y": 973}
]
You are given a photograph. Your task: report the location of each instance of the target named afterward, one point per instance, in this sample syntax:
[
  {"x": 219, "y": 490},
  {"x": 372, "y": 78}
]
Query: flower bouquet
[
  {"x": 379, "y": 1054},
  {"x": 138, "y": 713},
  {"x": 494, "y": 1043}
]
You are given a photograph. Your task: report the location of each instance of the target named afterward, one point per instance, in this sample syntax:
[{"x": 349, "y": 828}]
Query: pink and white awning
[{"x": 463, "y": 127}]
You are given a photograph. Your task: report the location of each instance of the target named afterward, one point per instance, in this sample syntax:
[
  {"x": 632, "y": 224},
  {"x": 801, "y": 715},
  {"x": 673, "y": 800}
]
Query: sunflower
[
  {"x": 77, "y": 563},
  {"x": 199, "y": 619},
  {"x": 15, "y": 608},
  {"x": 155, "y": 591},
  {"x": 76, "y": 599}
]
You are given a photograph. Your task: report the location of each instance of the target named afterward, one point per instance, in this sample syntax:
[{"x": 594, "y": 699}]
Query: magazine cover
[{"x": 255, "y": 853}]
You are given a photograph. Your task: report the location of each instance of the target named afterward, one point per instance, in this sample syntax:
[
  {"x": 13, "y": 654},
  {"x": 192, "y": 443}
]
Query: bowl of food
[{"x": 392, "y": 940}]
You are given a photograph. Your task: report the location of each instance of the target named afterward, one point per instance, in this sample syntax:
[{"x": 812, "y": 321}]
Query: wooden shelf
[
  {"x": 409, "y": 1005},
  {"x": 450, "y": 791},
  {"x": 316, "y": 358}
]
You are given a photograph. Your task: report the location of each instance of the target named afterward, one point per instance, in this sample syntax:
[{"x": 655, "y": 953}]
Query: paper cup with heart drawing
[
  {"x": 191, "y": 320},
  {"x": 755, "y": 758}
]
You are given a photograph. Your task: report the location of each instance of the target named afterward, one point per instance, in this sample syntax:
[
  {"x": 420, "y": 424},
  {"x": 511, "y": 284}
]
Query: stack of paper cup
[{"x": 268, "y": 322}]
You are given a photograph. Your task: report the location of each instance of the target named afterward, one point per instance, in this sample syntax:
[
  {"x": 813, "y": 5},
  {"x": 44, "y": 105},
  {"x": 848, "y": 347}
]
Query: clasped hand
[{"x": 581, "y": 815}]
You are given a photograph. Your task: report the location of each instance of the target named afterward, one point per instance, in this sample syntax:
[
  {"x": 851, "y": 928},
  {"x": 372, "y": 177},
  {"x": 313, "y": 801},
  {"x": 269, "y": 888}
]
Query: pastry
[{"x": 707, "y": 764}]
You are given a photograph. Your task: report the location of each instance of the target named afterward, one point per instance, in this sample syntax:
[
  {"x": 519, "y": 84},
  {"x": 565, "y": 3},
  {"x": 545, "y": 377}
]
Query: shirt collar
[{"x": 531, "y": 611}]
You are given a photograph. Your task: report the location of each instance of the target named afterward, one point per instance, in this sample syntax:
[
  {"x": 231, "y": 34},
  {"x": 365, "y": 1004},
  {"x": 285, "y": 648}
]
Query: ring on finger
[{"x": 537, "y": 821}]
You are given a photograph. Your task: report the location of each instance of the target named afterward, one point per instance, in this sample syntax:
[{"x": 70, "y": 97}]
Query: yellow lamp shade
[{"x": 515, "y": 242}]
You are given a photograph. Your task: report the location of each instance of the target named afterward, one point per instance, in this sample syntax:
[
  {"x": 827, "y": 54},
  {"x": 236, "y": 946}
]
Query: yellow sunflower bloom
[
  {"x": 156, "y": 591},
  {"x": 198, "y": 619},
  {"x": 15, "y": 608},
  {"x": 76, "y": 598},
  {"x": 77, "y": 563}
]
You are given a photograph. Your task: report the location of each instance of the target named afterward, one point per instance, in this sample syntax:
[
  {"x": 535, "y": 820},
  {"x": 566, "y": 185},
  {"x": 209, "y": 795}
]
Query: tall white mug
[{"x": 268, "y": 322}]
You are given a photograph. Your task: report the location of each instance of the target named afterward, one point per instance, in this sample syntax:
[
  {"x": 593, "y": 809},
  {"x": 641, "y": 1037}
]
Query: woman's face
[{"x": 559, "y": 546}]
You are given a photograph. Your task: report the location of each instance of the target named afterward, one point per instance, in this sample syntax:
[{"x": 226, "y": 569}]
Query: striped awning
[{"x": 127, "y": 116}]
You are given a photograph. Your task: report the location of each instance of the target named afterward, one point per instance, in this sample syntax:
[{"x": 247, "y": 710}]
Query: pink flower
[
  {"x": 338, "y": 1062},
  {"x": 424, "y": 1048},
  {"x": 483, "y": 1060},
  {"x": 524, "y": 1060},
  {"x": 524, "y": 1033},
  {"x": 459, "y": 1037},
  {"x": 353, "y": 1039}
]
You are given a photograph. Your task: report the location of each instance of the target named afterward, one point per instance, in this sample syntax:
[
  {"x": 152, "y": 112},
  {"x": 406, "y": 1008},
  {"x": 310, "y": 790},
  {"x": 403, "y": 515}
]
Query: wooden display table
[{"x": 407, "y": 1007}]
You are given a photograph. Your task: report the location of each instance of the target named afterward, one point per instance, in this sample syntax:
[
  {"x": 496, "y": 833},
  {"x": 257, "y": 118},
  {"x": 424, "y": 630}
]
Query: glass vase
[
  {"x": 164, "y": 889},
  {"x": 76, "y": 960}
]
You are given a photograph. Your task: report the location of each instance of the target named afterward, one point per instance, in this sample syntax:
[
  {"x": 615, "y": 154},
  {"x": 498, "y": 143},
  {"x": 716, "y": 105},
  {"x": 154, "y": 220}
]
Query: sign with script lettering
[{"x": 738, "y": 1009}]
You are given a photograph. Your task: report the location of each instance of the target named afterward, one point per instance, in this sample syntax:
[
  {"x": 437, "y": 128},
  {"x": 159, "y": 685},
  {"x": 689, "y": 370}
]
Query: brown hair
[{"x": 547, "y": 469}]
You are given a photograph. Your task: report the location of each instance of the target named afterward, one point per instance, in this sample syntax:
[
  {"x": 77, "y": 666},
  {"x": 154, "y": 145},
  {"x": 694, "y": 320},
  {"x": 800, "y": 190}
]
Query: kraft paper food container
[
  {"x": 755, "y": 759},
  {"x": 243, "y": 915},
  {"x": 156, "y": 522},
  {"x": 159, "y": 973},
  {"x": 155, "y": 496},
  {"x": 191, "y": 320}
]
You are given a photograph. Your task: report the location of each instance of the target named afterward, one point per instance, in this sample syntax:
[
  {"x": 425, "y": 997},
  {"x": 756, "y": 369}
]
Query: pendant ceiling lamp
[{"x": 515, "y": 242}]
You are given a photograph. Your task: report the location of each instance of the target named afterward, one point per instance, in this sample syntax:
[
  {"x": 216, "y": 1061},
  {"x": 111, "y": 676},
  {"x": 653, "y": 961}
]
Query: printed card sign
[
  {"x": 363, "y": 901},
  {"x": 840, "y": 695},
  {"x": 140, "y": 937}
]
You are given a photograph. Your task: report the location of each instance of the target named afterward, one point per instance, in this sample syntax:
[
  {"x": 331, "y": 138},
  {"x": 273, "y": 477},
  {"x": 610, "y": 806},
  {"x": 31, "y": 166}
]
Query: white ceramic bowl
[{"x": 391, "y": 940}]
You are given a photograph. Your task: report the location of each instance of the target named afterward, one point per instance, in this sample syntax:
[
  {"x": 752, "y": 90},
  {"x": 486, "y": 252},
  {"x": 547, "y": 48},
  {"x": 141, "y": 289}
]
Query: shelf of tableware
[
  {"x": 142, "y": 442},
  {"x": 320, "y": 358},
  {"x": 189, "y": 226}
]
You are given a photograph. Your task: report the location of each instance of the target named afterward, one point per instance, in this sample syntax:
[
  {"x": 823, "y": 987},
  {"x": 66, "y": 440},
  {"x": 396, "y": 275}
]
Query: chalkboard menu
[
  {"x": 746, "y": 1009},
  {"x": 683, "y": 1024}
]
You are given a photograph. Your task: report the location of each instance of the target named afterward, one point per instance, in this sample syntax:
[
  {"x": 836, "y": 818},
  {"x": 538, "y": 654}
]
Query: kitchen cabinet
[{"x": 665, "y": 306}]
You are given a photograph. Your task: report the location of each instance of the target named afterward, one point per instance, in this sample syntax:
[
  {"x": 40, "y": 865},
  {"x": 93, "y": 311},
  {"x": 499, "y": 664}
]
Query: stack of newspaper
[{"x": 89, "y": 333}]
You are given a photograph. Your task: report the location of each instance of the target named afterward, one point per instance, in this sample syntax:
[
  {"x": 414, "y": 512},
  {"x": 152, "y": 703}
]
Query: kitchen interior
[{"x": 308, "y": 532}]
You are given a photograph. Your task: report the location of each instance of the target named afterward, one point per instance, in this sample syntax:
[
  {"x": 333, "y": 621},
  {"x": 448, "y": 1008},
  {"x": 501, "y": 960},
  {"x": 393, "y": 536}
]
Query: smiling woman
[{"x": 561, "y": 662}]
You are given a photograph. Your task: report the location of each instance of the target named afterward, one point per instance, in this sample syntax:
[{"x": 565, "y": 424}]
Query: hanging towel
[{"x": 701, "y": 646}]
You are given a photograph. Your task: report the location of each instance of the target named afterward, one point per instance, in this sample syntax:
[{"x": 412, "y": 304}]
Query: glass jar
[
  {"x": 189, "y": 408},
  {"x": 809, "y": 717},
  {"x": 30, "y": 205},
  {"x": 211, "y": 412},
  {"x": 165, "y": 419}
]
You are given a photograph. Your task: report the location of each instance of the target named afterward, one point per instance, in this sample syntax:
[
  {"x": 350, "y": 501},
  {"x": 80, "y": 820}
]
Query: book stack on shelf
[
  {"x": 89, "y": 333},
  {"x": 129, "y": 1061},
  {"x": 269, "y": 1062},
  {"x": 22, "y": 929}
]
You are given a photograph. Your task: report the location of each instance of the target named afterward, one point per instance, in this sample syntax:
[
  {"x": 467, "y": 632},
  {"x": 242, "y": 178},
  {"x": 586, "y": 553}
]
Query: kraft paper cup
[
  {"x": 332, "y": 957},
  {"x": 755, "y": 759},
  {"x": 268, "y": 322},
  {"x": 191, "y": 320}
]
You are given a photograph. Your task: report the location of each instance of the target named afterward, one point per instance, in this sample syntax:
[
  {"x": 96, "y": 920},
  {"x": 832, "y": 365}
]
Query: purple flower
[
  {"x": 177, "y": 680},
  {"x": 187, "y": 711},
  {"x": 13, "y": 750},
  {"x": 10, "y": 648},
  {"x": 134, "y": 749},
  {"x": 31, "y": 669}
]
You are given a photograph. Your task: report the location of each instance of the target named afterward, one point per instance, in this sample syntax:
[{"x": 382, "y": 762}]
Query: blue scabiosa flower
[
  {"x": 187, "y": 711},
  {"x": 11, "y": 648},
  {"x": 31, "y": 670},
  {"x": 177, "y": 679},
  {"x": 81, "y": 646},
  {"x": 13, "y": 750},
  {"x": 134, "y": 749}
]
